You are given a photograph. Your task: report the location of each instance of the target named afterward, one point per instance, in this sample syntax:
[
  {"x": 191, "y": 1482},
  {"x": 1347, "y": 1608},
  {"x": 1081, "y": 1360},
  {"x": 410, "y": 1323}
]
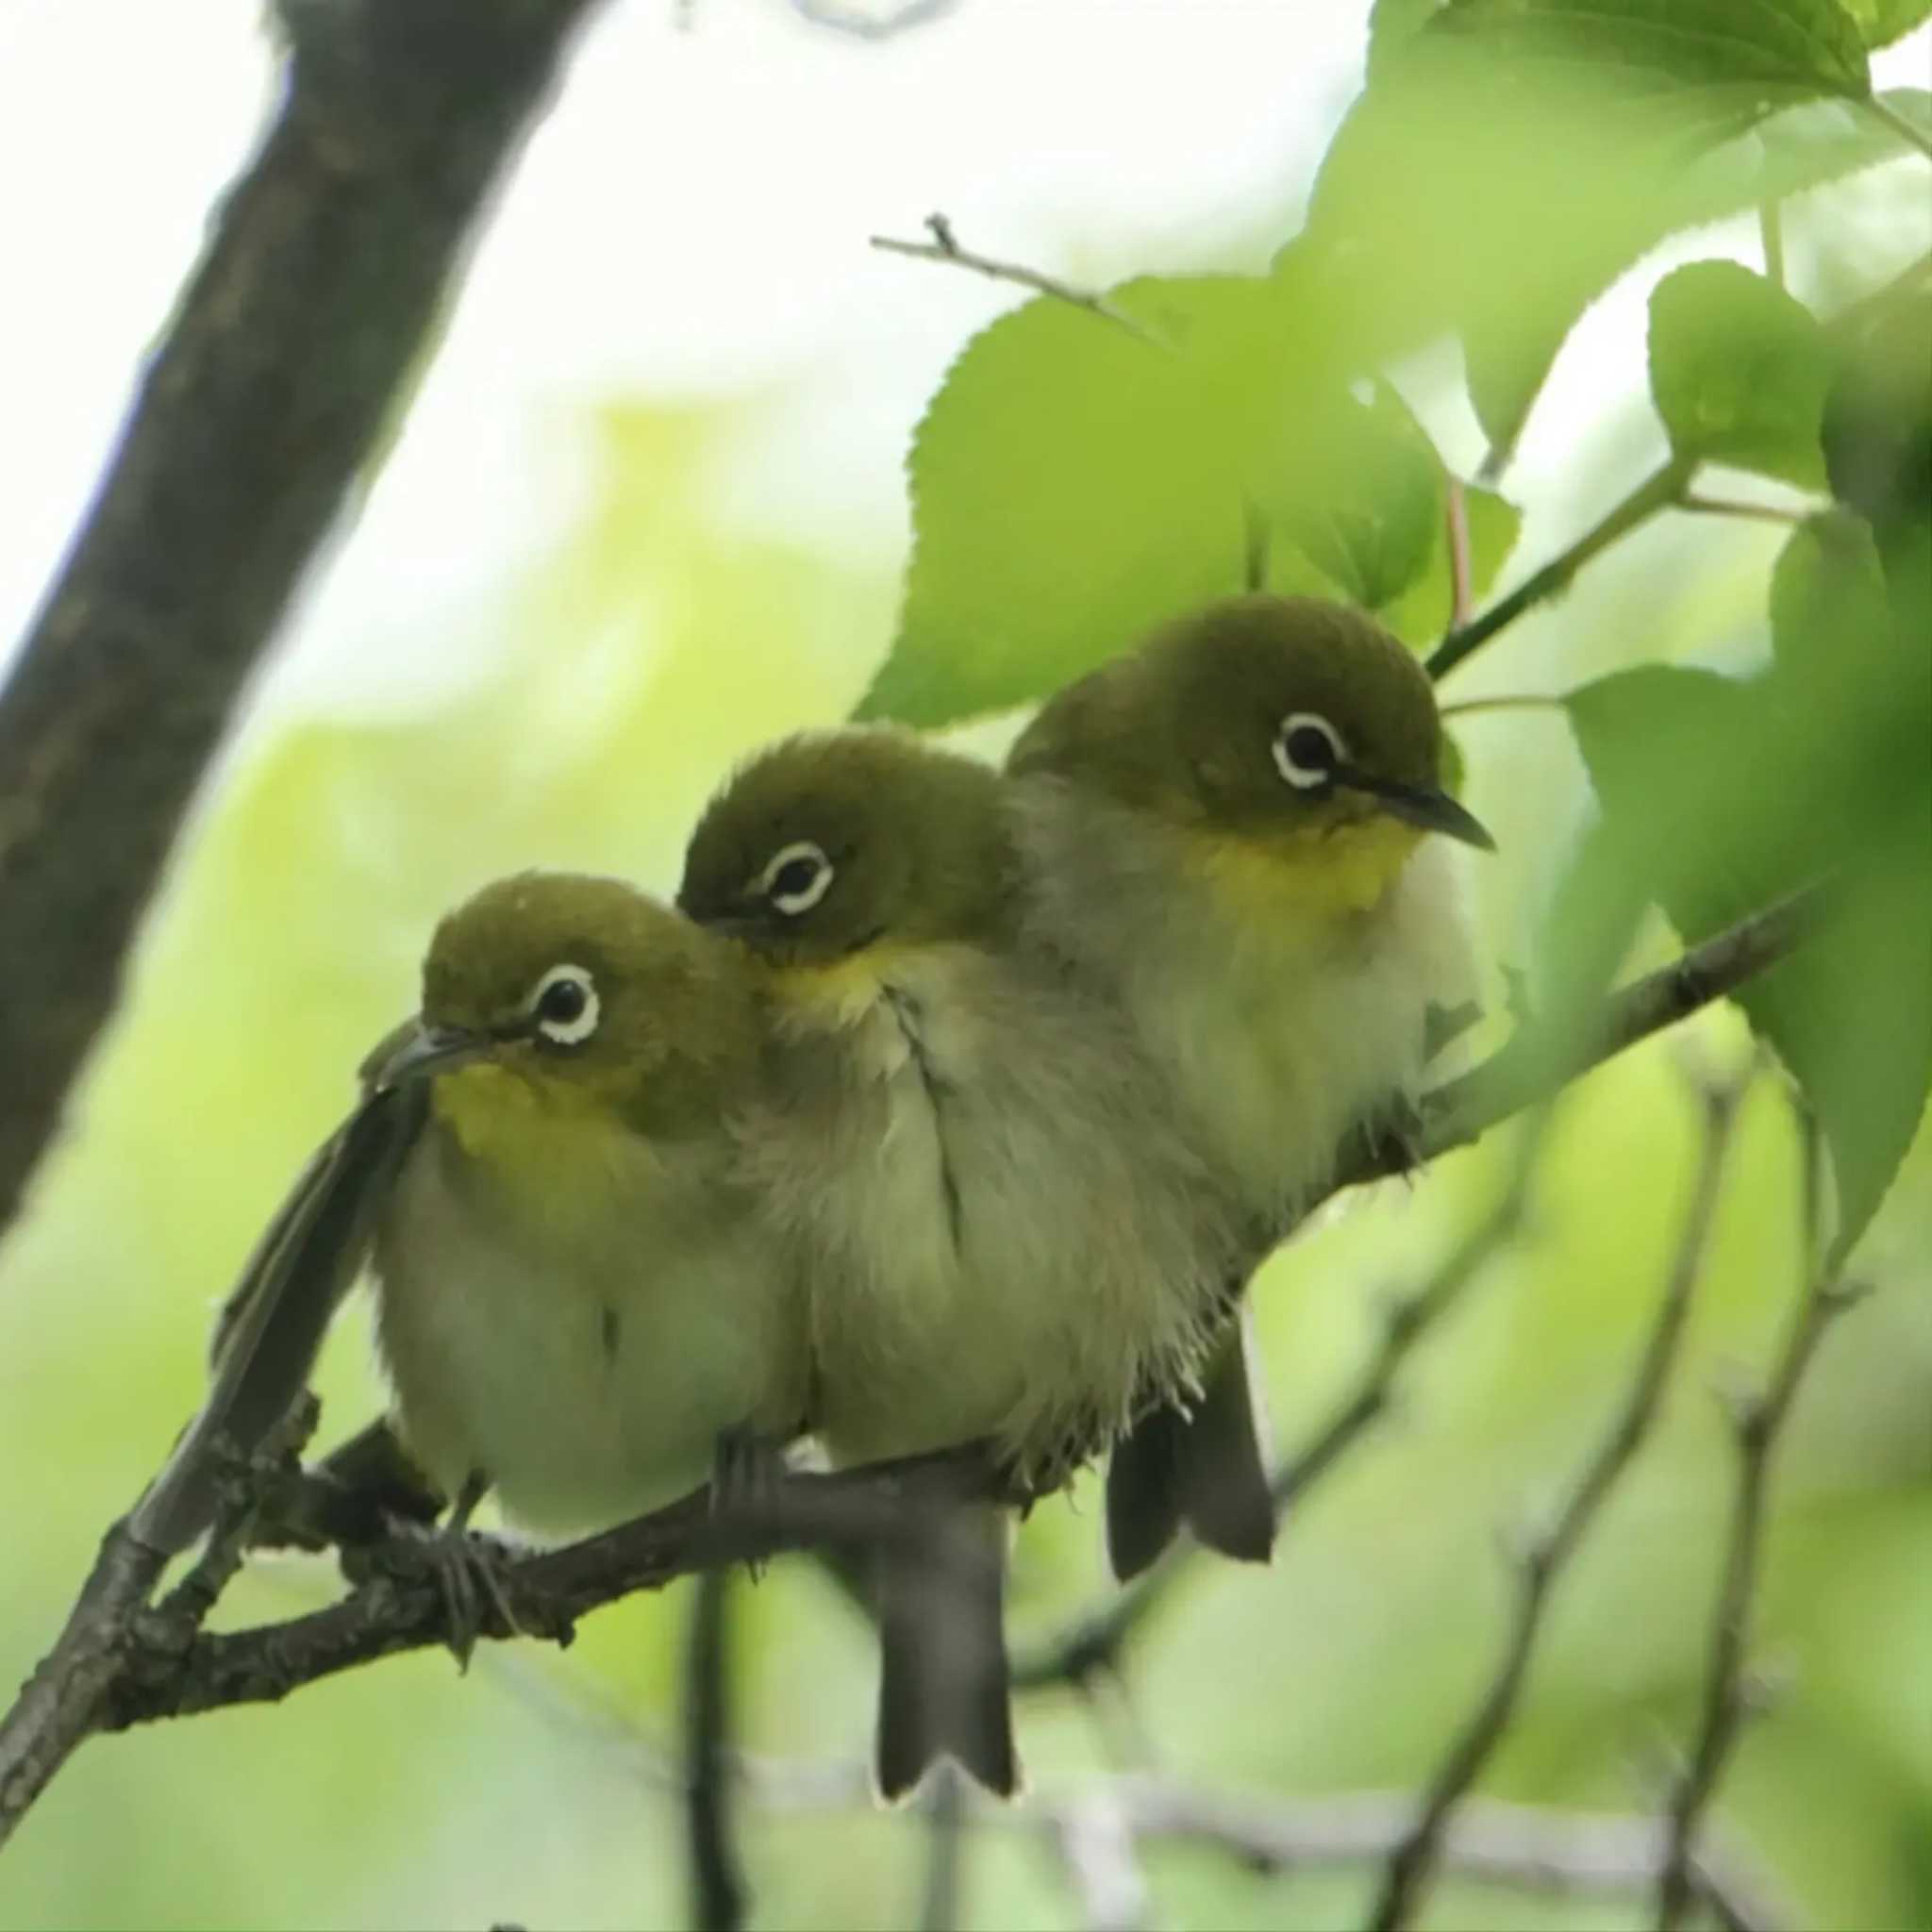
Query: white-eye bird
[
  {"x": 1226, "y": 831},
  {"x": 576, "y": 1303},
  {"x": 1005, "y": 1236}
]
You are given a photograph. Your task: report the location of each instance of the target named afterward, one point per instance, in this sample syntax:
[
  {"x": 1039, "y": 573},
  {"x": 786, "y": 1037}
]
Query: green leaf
[
  {"x": 1881, "y": 21},
  {"x": 1720, "y": 796},
  {"x": 1509, "y": 158},
  {"x": 1077, "y": 480},
  {"x": 1066, "y": 495},
  {"x": 1827, "y": 596},
  {"x": 1739, "y": 371}
]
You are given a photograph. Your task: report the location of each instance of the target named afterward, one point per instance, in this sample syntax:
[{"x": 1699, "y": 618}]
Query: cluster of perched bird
[{"x": 946, "y": 1104}]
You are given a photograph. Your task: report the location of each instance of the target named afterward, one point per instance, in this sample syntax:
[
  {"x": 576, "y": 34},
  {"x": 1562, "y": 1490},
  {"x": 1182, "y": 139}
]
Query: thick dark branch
[
  {"x": 325, "y": 270},
  {"x": 548, "y": 1591},
  {"x": 1548, "y": 1553}
]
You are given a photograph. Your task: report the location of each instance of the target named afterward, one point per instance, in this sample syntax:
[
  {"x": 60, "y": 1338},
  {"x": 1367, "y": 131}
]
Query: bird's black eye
[
  {"x": 565, "y": 1005},
  {"x": 1307, "y": 750},
  {"x": 797, "y": 878}
]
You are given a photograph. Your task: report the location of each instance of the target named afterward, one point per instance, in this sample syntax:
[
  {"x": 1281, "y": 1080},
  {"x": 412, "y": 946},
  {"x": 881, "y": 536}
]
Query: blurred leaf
[
  {"x": 1075, "y": 481},
  {"x": 1827, "y": 585},
  {"x": 1368, "y": 514},
  {"x": 1737, "y": 371},
  {"x": 1720, "y": 795},
  {"x": 1595, "y": 130},
  {"x": 1882, "y": 22}
]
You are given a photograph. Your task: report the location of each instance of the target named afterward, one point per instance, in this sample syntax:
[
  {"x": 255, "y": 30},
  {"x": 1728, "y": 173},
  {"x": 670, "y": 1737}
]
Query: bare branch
[
  {"x": 718, "y": 1888},
  {"x": 944, "y": 246},
  {"x": 945, "y": 1836},
  {"x": 1546, "y": 1554},
  {"x": 327, "y": 263},
  {"x": 547, "y": 1590},
  {"x": 60, "y": 1704},
  {"x": 1758, "y": 1423}
]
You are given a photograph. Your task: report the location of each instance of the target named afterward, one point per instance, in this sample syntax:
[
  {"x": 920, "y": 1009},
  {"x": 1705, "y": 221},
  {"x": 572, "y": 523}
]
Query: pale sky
[{"x": 691, "y": 221}]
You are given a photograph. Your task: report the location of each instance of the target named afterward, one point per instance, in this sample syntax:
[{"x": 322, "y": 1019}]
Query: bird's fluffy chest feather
[
  {"x": 1004, "y": 1241},
  {"x": 1284, "y": 1006},
  {"x": 573, "y": 1312}
]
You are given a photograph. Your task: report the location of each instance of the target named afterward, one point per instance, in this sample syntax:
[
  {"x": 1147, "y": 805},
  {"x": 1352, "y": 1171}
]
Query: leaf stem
[
  {"x": 1900, "y": 125},
  {"x": 1662, "y": 488}
]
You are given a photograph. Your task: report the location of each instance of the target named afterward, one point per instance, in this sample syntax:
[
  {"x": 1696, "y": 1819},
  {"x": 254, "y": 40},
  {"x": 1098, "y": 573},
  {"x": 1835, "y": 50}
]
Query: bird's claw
[
  {"x": 747, "y": 1468},
  {"x": 467, "y": 1569}
]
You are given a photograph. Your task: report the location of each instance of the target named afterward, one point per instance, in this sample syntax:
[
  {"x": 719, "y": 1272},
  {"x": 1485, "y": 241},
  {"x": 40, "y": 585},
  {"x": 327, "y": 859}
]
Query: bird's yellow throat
[{"x": 1326, "y": 875}]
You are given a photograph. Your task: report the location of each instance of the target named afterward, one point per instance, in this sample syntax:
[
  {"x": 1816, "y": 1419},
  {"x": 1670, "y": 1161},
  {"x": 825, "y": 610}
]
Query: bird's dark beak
[
  {"x": 1434, "y": 811},
  {"x": 417, "y": 1051}
]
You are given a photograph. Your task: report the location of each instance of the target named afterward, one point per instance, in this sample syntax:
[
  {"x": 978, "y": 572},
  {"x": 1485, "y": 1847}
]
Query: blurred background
[{"x": 646, "y": 512}]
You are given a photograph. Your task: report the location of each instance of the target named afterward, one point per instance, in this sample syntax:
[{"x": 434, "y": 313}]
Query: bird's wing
[{"x": 271, "y": 1328}]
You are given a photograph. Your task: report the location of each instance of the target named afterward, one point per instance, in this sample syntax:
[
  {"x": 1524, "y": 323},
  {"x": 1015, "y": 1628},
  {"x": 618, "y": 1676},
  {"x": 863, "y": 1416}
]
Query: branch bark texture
[{"x": 321, "y": 281}]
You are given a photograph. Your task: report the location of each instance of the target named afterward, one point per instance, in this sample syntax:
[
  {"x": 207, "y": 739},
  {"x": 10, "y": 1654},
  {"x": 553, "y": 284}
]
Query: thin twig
[
  {"x": 1545, "y": 1555},
  {"x": 60, "y": 1704},
  {"x": 717, "y": 1879},
  {"x": 944, "y": 246},
  {"x": 1735, "y": 507},
  {"x": 1758, "y": 1422},
  {"x": 1658, "y": 490}
]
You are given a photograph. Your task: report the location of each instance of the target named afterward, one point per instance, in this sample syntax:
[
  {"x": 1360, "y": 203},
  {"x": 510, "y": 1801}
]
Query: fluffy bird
[
  {"x": 1004, "y": 1237},
  {"x": 1228, "y": 834},
  {"x": 576, "y": 1302}
]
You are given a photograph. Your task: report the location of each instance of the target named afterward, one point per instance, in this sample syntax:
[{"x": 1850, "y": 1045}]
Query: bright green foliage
[
  {"x": 1077, "y": 479},
  {"x": 1882, "y": 22},
  {"x": 1720, "y": 795},
  {"x": 1509, "y": 158},
  {"x": 1737, "y": 371}
]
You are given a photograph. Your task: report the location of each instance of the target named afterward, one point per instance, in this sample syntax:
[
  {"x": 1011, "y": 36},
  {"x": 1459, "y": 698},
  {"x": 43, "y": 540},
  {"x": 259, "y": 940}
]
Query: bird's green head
[
  {"x": 1294, "y": 727},
  {"x": 839, "y": 844},
  {"x": 581, "y": 992}
]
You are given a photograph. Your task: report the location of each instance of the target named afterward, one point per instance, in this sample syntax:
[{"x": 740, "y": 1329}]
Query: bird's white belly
[{"x": 587, "y": 1383}]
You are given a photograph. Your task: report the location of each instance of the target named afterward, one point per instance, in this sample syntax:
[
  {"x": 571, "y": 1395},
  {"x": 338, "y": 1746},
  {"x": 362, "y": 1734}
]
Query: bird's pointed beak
[
  {"x": 417, "y": 1051},
  {"x": 1426, "y": 806}
]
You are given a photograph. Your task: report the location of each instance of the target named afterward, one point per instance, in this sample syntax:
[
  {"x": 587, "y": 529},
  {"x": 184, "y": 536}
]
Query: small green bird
[
  {"x": 1226, "y": 831},
  {"x": 578, "y": 1304},
  {"x": 1005, "y": 1236}
]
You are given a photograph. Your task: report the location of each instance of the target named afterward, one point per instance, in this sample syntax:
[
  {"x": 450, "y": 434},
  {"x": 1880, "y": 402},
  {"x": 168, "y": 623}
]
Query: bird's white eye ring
[
  {"x": 565, "y": 1005},
  {"x": 1307, "y": 749},
  {"x": 797, "y": 878}
]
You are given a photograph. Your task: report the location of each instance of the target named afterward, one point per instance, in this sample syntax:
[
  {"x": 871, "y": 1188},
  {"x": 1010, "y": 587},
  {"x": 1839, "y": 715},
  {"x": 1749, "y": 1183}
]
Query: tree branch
[
  {"x": 1546, "y": 1554},
  {"x": 330, "y": 261},
  {"x": 547, "y": 1590},
  {"x": 1758, "y": 1422},
  {"x": 944, "y": 246},
  {"x": 718, "y": 1888}
]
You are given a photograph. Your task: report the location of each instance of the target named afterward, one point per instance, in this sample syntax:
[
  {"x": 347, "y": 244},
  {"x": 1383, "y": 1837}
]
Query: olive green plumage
[
  {"x": 576, "y": 1299},
  {"x": 1004, "y": 1236},
  {"x": 1224, "y": 833}
]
